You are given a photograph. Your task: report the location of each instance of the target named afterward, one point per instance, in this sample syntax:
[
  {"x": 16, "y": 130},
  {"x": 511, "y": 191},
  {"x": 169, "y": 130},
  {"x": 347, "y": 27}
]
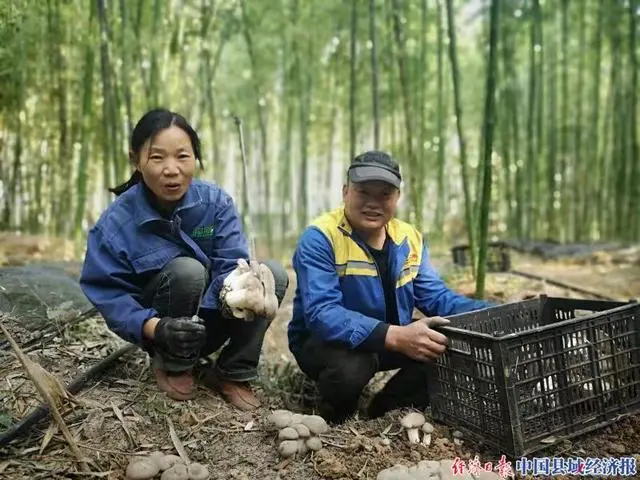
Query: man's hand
[
  {"x": 418, "y": 340},
  {"x": 180, "y": 337},
  {"x": 249, "y": 291}
]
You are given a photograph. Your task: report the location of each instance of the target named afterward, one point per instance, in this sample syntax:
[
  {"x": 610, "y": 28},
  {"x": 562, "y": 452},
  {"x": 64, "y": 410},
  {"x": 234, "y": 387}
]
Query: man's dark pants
[
  {"x": 176, "y": 292},
  {"x": 342, "y": 373}
]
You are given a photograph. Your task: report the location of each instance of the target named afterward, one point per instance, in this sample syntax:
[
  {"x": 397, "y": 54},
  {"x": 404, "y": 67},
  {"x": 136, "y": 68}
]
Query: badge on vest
[{"x": 202, "y": 232}]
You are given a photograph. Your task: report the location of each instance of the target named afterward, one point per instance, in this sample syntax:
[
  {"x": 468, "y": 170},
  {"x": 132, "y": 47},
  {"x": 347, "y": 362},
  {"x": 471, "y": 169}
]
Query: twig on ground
[
  {"x": 52, "y": 391},
  {"x": 74, "y": 387},
  {"x": 361, "y": 471},
  {"x": 283, "y": 464},
  {"x": 177, "y": 443},
  {"x": 324, "y": 440}
]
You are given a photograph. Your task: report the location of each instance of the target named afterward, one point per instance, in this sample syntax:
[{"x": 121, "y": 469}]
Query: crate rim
[{"x": 536, "y": 330}]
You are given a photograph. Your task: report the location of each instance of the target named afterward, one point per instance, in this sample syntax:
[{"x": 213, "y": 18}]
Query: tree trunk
[
  {"x": 374, "y": 75},
  {"x": 352, "y": 79},
  {"x": 593, "y": 178},
  {"x": 85, "y": 132},
  {"x": 531, "y": 123},
  {"x": 262, "y": 125},
  {"x": 633, "y": 212},
  {"x": 408, "y": 121},
  {"x": 579, "y": 169},
  {"x": 552, "y": 138},
  {"x": 125, "y": 68},
  {"x": 455, "y": 75},
  {"x": 442, "y": 142},
  {"x": 564, "y": 129},
  {"x": 489, "y": 120}
]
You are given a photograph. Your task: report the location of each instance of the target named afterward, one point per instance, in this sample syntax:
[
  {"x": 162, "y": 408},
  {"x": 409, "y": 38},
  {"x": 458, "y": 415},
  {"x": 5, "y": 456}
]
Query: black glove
[{"x": 180, "y": 336}]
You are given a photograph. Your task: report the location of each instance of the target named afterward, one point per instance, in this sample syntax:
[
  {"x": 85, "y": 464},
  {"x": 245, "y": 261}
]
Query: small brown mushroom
[
  {"x": 412, "y": 422},
  {"x": 280, "y": 418},
  {"x": 288, "y": 433},
  {"x": 141, "y": 469},
  {"x": 177, "y": 472},
  {"x": 302, "y": 429},
  {"x": 315, "y": 423},
  {"x": 314, "y": 444},
  {"x": 288, "y": 448},
  {"x": 197, "y": 471}
]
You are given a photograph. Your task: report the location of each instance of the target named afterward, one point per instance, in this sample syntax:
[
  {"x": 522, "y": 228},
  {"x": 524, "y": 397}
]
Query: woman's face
[{"x": 167, "y": 164}]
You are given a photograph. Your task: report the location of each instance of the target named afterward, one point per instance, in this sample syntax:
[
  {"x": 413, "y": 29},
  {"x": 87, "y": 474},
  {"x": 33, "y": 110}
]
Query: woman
[{"x": 165, "y": 259}]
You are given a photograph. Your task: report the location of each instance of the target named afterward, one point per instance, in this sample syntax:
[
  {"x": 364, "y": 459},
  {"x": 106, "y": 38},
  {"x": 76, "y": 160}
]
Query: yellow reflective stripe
[
  {"x": 407, "y": 275},
  {"x": 364, "y": 272},
  {"x": 357, "y": 268}
]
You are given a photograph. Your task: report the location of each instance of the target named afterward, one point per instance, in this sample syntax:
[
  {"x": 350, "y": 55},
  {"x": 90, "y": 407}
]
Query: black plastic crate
[
  {"x": 498, "y": 257},
  {"x": 521, "y": 376}
]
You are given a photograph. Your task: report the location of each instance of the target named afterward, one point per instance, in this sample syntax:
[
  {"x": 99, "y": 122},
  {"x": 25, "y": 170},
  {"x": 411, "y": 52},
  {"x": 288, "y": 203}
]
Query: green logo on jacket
[{"x": 202, "y": 232}]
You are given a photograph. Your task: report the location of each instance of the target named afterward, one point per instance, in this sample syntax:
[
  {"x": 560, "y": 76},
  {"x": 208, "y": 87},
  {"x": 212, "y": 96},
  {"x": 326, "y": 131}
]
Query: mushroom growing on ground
[
  {"x": 197, "y": 471},
  {"x": 412, "y": 422},
  {"x": 427, "y": 430},
  {"x": 141, "y": 469},
  {"x": 457, "y": 437},
  {"x": 298, "y": 433},
  {"x": 315, "y": 423},
  {"x": 288, "y": 448},
  {"x": 165, "y": 462},
  {"x": 303, "y": 431},
  {"x": 280, "y": 418},
  {"x": 288, "y": 433},
  {"x": 302, "y": 446},
  {"x": 314, "y": 443},
  {"x": 177, "y": 472}
]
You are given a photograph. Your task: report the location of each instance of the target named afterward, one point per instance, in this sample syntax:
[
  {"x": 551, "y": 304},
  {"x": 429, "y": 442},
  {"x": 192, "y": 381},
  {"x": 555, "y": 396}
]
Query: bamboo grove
[{"x": 516, "y": 117}]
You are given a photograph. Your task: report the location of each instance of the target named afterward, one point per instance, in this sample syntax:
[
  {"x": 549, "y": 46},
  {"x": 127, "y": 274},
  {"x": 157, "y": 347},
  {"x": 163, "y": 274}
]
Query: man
[{"x": 360, "y": 273}]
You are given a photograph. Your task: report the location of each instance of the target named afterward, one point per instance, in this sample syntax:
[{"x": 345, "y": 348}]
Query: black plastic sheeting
[{"x": 36, "y": 294}]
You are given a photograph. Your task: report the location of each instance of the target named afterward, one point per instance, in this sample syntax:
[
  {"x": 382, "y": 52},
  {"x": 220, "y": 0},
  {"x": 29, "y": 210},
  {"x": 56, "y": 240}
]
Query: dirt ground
[{"x": 124, "y": 413}]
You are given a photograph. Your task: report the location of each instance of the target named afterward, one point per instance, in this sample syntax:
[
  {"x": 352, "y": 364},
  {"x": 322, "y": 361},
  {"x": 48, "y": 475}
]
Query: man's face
[{"x": 370, "y": 205}]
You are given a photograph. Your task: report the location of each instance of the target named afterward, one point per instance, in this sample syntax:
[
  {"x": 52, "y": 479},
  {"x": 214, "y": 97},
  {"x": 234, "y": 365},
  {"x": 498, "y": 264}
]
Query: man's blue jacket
[
  {"x": 131, "y": 242},
  {"x": 339, "y": 296}
]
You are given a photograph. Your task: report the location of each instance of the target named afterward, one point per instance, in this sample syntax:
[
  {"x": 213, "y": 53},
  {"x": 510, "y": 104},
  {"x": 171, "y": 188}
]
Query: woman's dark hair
[{"x": 146, "y": 129}]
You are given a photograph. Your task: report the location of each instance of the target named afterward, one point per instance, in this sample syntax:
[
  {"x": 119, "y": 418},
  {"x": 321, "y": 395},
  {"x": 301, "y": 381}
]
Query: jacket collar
[
  {"x": 393, "y": 227},
  {"x": 145, "y": 212}
]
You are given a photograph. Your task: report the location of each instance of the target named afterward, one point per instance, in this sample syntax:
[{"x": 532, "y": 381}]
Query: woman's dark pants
[{"x": 176, "y": 292}]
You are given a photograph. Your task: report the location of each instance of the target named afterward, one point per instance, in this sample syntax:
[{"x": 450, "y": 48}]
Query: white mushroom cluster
[
  {"x": 426, "y": 469},
  {"x": 171, "y": 467},
  {"x": 415, "y": 422},
  {"x": 297, "y": 433}
]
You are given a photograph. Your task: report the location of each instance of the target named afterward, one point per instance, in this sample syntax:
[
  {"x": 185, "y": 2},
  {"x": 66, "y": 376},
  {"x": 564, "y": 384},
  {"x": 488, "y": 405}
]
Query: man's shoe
[
  {"x": 177, "y": 385},
  {"x": 238, "y": 394}
]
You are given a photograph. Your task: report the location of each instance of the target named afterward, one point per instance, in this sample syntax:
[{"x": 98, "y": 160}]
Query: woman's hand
[
  {"x": 249, "y": 291},
  {"x": 181, "y": 336}
]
